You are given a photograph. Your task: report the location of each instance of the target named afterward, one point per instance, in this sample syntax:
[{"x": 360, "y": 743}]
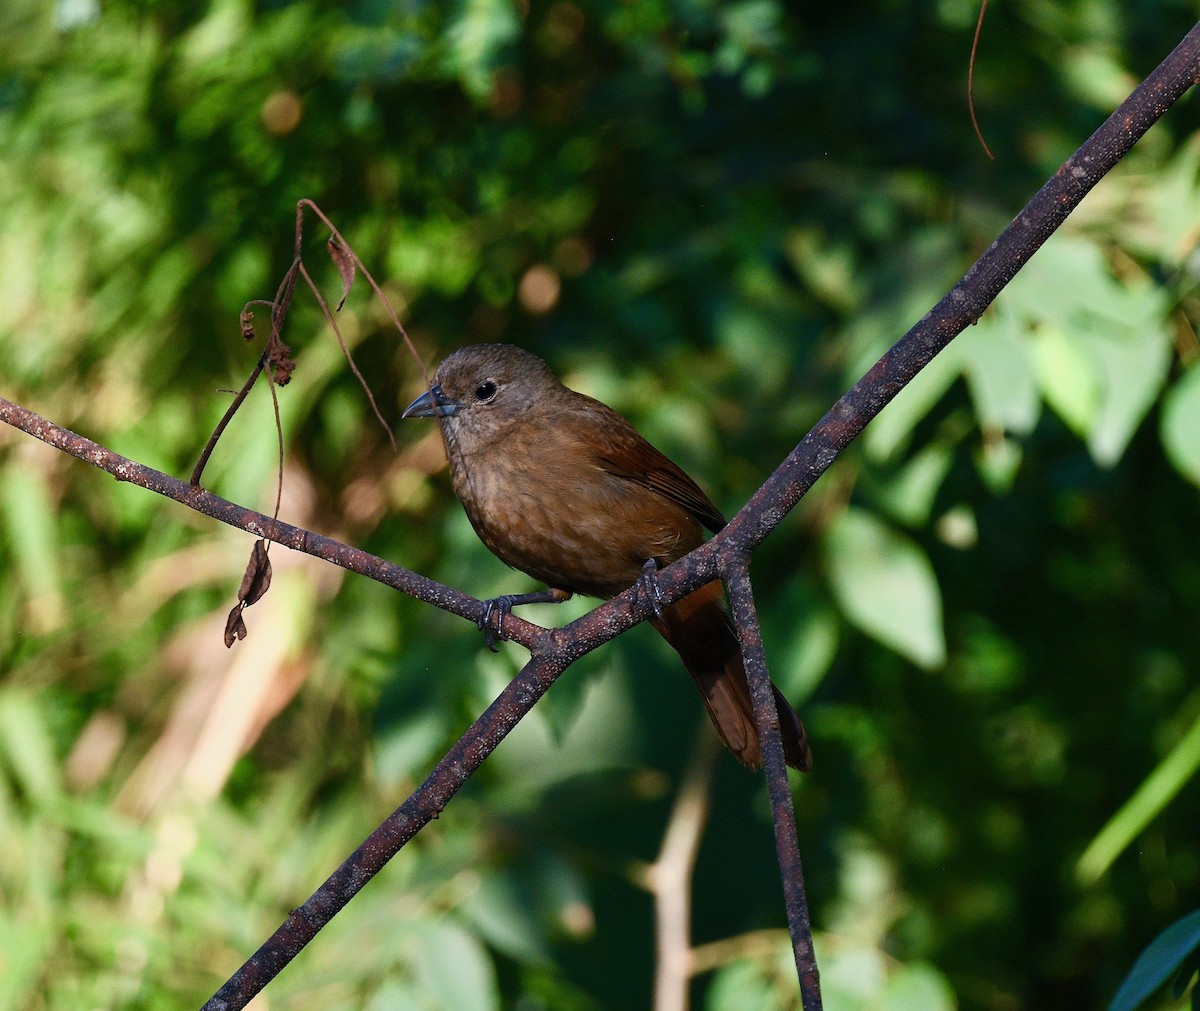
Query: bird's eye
[{"x": 485, "y": 390}]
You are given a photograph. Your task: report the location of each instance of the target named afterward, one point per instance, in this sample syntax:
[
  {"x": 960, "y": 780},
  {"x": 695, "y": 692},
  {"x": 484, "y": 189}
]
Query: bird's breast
[{"x": 555, "y": 514}]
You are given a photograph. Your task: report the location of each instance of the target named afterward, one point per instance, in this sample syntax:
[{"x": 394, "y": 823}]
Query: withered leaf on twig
[
  {"x": 235, "y": 627},
  {"x": 257, "y": 579},
  {"x": 279, "y": 355},
  {"x": 255, "y": 583}
]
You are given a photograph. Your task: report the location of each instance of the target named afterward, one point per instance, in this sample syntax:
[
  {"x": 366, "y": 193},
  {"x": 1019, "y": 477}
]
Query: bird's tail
[{"x": 700, "y": 631}]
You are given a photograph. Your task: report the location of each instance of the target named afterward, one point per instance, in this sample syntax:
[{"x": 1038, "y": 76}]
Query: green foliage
[
  {"x": 885, "y": 585},
  {"x": 1173, "y": 953},
  {"x": 714, "y": 216}
]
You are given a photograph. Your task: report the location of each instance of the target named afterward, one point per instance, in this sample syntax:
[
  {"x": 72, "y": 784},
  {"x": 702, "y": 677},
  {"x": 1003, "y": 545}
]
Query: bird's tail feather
[{"x": 700, "y": 631}]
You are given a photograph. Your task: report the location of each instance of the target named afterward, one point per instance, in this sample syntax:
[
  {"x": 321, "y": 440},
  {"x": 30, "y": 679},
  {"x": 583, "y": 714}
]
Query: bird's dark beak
[{"x": 430, "y": 404}]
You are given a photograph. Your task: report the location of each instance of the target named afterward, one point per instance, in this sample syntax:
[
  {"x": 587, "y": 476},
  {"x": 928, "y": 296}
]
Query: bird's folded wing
[{"x": 627, "y": 455}]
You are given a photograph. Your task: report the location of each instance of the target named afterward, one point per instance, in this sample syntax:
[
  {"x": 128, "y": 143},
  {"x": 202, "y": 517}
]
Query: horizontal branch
[{"x": 260, "y": 525}]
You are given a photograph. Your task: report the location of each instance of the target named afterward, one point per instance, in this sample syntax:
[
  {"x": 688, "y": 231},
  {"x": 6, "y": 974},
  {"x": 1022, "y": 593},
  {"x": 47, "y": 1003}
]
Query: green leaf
[
  {"x": 1066, "y": 377},
  {"x": 886, "y": 586},
  {"x": 1132, "y": 366},
  {"x": 455, "y": 970},
  {"x": 918, "y": 986},
  {"x": 1102, "y": 348},
  {"x": 908, "y": 495},
  {"x": 1158, "y": 962},
  {"x": 28, "y": 747},
  {"x": 742, "y": 986},
  {"x": 502, "y": 913},
  {"x": 1156, "y": 791},
  {"x": 1180, "y": 428},
  {"x": 29, "y": 518},
  {"x": 485, "y": 29},
  {"x": 1000, "y": 376}
]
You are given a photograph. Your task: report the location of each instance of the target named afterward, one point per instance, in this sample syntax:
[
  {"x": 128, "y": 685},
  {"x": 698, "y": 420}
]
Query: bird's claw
[
  {"x": 647, "y": 583},
  {"x": 498, "y": 608}
]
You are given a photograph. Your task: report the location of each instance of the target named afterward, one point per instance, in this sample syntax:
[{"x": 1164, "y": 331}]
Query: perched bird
[{"x": 563, "y": 488}]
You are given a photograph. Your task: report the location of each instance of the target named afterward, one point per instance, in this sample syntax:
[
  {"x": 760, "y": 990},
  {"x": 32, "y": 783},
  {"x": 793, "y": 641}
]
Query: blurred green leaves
[{"x": 714, "y": 216}]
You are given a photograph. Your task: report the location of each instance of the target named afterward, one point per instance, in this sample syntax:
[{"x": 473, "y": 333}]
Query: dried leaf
[
  {"x": 247, "y": 321},
  {"x": 258, "y": 575},
  {"x": 279, "y": 355},
  {"x": 235, "y": 627},
  {"x": 344, "y": 261}
]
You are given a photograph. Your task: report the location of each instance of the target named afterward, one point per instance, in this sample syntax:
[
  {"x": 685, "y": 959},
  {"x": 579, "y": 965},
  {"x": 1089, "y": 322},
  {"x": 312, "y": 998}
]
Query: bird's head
[{"x": 481, "y": 389}]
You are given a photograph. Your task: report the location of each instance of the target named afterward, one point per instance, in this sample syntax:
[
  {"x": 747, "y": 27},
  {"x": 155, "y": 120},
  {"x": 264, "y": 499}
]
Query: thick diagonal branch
[
  {"x": 425, "y": 804},
  {"x": 968, "y": 299}
]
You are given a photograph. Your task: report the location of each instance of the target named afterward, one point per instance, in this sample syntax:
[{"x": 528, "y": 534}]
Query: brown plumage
[{"x": 563, "y": 488}]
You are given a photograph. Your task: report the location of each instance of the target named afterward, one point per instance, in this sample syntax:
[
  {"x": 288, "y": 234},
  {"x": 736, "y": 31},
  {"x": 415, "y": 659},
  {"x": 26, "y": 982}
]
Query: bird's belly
[{"x": 590, "y": 534}]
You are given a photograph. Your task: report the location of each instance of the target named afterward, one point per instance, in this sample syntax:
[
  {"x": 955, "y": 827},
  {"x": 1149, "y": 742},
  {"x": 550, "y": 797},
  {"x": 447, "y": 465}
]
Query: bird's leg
[
  {"x": 500, "y": 607},
  {"x": 647, "y": 583}
]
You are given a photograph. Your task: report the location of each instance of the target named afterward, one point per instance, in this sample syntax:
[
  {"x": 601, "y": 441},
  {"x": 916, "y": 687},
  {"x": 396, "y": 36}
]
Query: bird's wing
[{"x": 625, "y": 454}]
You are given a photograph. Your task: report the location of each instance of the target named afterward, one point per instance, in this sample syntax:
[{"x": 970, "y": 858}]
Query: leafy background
[{"x": 712, "y": 216}]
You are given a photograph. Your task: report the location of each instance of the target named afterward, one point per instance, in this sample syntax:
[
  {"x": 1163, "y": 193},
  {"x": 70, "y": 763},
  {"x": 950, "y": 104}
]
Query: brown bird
[{"x": 563, "y": 488}]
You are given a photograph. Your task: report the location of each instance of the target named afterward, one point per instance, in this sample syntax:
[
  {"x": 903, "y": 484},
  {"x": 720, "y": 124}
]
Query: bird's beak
[{"x": 430, "y": 404}]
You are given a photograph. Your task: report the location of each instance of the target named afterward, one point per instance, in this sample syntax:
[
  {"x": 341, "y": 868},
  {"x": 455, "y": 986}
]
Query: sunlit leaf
[
  {"x": 454, "y": 969},
  {"x": 999, "y": 370},
  {"x": 918, "y": 986},
  {"x": 885, "y": 584},
  {"x": 1066, "y": 375},
  {"x": 27, "y": 748},
  {"x": 1180, "y": 429},
  {"x": 33, "y": 538},
  {"x": 1101, "y": 346},
  {"x": 503, "y": 914},
  {"x": 908, "y": 495},
  {"x": 742, "y": 986},
  {"x": 1131, "y": 367}
]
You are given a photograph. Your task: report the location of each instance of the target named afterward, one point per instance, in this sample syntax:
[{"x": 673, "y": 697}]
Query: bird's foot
[
  {"x": 495, "y": 612},
  {"x": 492, "y": 617},
  {"x": 647, "y": 583}
]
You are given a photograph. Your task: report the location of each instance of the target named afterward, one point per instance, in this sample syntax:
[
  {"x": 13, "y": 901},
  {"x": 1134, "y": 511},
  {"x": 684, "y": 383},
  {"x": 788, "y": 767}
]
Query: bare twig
[
  {"x": 787, "y": 844},
  {"x": 425, "y": 804},
  {"x": 276, "y": 351},
  {"x": 279, "y": 307},
  {"x": 337, "y": 332},
  {"x": 379, "y": 293},
  {"x": 227, "y": 417}
]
